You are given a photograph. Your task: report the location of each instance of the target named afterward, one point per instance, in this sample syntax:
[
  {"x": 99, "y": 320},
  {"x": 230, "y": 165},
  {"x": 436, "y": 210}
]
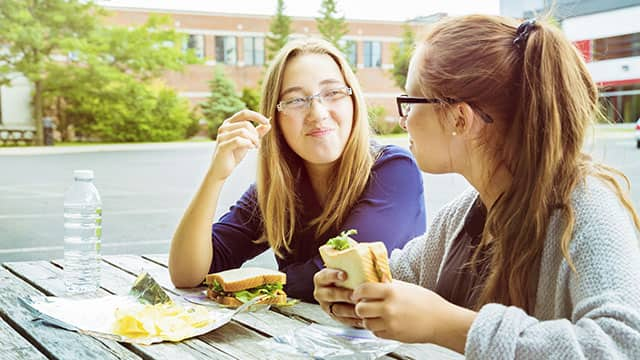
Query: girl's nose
[{"x": 317, "y": 109}]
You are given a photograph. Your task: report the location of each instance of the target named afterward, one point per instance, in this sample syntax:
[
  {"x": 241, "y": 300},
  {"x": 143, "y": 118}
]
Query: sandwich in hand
[
  {"x": 237, "y": 286},
  {"x": 363, "y": 262}
]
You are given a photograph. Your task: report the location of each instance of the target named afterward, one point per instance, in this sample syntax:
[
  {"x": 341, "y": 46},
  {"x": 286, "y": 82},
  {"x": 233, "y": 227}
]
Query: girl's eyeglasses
[{"x": 405, "y": 102}]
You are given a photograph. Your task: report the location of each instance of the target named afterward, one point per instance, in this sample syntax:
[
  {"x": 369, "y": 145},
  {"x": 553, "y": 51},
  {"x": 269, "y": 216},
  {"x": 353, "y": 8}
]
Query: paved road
[{"x": 146, "y": 188}]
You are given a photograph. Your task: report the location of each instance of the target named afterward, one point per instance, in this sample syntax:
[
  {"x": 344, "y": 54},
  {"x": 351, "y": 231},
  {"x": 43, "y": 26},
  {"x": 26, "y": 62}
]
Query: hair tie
[{"x": 522, "y": 33}]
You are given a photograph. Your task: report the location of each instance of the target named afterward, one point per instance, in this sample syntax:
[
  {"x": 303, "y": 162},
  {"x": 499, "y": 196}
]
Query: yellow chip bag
[{"x": 171, "y": 321}]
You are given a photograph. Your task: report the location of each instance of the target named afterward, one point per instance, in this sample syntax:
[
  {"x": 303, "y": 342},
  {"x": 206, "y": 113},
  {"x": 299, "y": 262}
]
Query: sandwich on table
[{"x": 237, "y": 286}]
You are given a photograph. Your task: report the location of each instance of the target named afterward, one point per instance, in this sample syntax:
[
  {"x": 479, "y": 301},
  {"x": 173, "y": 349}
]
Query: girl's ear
[{"x": 463, "y": 118}]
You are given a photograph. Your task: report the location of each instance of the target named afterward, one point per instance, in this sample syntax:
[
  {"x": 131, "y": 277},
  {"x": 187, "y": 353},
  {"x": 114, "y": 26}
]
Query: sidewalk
[
  {"x": 616, "y": 131},
  {"x": 55, "y": 150}
]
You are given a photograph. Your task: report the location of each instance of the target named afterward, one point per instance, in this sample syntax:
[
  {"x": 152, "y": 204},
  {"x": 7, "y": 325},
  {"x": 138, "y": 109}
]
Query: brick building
[{"x": 238, "y": 42}]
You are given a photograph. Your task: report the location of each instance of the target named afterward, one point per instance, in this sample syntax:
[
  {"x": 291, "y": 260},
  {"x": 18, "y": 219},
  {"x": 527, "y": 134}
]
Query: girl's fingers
[
  {"x": 371, "y": 291},
  {"x": 240, "y": 132},
  {"x": 237, "y": 142},
  {"x": 248, "y": 115},
  {"x": 332, "y": 294},
  {"x": 369, "y": 309},
  {"x": 344, "y": 310},
  {"x": 263, "y": 129},
  {"x": 374, "y": 324},
  {"x": 328, "y": 276}
]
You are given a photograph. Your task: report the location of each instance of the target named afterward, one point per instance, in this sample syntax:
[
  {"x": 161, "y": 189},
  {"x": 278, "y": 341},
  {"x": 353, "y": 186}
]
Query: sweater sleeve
[
  {"x": 234, "y": 234},
  {"x": 390, "y": 210},
  {"x": 604, "y": 296}
]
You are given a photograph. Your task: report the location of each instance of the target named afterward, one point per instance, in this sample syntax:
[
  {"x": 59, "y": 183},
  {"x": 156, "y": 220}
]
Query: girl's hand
[
  {"x": 411, "y": 313},
  {"x": 236, "y": 136},
  {"x": 333, "y": 299}
]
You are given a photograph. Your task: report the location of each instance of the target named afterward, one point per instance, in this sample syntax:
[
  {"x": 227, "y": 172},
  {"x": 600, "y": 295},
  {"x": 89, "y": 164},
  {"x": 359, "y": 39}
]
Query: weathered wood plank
[
  {"x": 52, "y": 342},
  {"x": 308, "y": 312},
  {"x": 427, "y": 351},
  {"x": 49, "y": 278},
  {"x": 313, "y": 313},
  {"x": 267, "y": 322},
  {"x": 243, "y": 347},
  {"x": 160, "y": 259},
  {"x": 301, "y": 312},
  {"x": 13, "y": 346}
]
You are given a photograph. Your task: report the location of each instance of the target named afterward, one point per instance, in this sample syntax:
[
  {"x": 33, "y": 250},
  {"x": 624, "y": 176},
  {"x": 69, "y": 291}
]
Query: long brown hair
[
  {"x": 542, "y": 99},
  {"x": 279, "y": 166}
]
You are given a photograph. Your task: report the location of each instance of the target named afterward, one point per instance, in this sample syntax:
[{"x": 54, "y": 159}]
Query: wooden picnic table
[{"x": 23, "y": 337}]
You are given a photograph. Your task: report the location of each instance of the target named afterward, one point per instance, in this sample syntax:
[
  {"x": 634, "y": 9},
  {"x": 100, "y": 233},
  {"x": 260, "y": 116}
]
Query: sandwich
[
  {"x": 363, "y": 262},
  {"x": 235, "y": 287}
]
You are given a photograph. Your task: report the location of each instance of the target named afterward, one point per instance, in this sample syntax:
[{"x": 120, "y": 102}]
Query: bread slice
[
  {"x": 280, "y": 299},
  {"x": 363, "y": 262},
  {"x": 246, "y": 278}
]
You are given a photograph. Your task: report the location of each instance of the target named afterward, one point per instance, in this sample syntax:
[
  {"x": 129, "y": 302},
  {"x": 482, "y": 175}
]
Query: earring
[{"x": 453, "y": 133}]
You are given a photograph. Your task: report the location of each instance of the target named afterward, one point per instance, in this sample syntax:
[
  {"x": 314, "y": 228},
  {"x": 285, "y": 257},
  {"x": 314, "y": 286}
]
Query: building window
[
  {"x": 351, "y": 49},
  {"x": 616, "y": 47},
  {"x": 372, "y": 54},
  {"x": 253, "y": 50},
  {"x": 195, "y": 43},
  {"x": 621, "y": 103},
  {"x": 226, "y": 50}
]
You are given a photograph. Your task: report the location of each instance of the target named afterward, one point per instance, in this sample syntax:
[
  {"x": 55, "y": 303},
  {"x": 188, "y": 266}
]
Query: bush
[
  {"x": 131, "y": 112},
  {"x": 375, "y": 114},
  {"x": 251, "y": 98}
]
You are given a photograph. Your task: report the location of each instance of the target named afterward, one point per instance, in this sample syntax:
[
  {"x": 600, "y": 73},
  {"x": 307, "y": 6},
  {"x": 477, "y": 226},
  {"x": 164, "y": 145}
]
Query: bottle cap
[{"x": 83, "y": 174}]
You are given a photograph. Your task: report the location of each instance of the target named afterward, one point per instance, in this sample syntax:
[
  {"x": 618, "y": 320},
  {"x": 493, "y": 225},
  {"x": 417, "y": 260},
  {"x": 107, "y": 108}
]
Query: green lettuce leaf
[
  {"x": 249, "y": 294},
  {"x": 342, "y": 241}
]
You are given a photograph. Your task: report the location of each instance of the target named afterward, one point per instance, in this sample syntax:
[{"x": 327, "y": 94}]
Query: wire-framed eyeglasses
[
  {"x": 405, "y": 103},
  {"x": 303, "y": 104}
]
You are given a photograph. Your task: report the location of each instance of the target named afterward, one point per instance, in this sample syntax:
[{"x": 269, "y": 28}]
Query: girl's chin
[{"x": 321, "y": 158}]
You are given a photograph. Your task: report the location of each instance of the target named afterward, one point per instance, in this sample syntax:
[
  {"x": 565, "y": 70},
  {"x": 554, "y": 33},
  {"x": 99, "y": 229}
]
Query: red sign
[{"x": 584, "y": 46}]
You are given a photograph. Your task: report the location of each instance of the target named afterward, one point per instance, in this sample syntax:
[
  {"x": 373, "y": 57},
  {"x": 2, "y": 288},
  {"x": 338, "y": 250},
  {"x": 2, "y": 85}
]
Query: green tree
[
  {"x": 279, "y": 31},
  {"x": 401, "y": 56},
  {"x": 331, "y": 27},
  {"x": 115, "y": 69},
  {"x": 144, "y": 52},
  {"x": 33, "y": 32},
  {"x": 222, "y": 103},
  {"x": 64, "y": 50}
]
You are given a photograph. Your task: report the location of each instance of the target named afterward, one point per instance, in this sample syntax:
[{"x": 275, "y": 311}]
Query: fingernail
[
  {"x": 341, "y": 276},
  {"x": 353, "y": 297}
]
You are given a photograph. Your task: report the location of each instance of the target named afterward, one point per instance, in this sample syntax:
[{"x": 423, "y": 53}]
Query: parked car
[{"x": 638, "y": 133}]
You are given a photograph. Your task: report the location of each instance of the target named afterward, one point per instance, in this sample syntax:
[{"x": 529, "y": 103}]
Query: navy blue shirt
[{"x": 391, "y": 209}]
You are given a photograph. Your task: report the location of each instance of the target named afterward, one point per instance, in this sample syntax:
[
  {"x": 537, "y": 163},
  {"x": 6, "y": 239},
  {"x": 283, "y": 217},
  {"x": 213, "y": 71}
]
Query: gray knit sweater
[{"x": 592, "y": 314}]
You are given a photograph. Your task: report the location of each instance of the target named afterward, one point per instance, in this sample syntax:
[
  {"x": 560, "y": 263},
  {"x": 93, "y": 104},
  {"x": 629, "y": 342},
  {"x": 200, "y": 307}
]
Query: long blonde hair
[
  {"x": 279, "y": 167},
  {"x": 542, "y": 99}
]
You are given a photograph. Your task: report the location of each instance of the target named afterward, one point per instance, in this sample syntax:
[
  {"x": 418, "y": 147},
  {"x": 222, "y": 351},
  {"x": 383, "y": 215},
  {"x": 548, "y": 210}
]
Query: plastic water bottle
[{"x": 82, "y": 232}]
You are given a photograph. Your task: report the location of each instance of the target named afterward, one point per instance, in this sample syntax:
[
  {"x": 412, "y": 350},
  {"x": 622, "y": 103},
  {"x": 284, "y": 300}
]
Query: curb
[{"x": 52, "y": 150}]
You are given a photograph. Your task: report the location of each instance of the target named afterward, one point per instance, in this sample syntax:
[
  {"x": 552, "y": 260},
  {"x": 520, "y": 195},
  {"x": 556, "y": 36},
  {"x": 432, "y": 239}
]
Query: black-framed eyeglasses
[{"x": 405, "y": 102}]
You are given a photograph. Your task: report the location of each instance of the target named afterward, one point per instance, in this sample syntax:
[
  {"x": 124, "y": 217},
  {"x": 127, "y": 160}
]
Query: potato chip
[{"x": 171, "y": 322}]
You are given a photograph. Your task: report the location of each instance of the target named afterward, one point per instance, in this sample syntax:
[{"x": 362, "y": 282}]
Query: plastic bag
[{"x": 330, "y": 343}]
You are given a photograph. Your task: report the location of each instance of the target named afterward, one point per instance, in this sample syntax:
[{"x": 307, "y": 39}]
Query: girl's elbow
[{"x": 185, "y": 281}]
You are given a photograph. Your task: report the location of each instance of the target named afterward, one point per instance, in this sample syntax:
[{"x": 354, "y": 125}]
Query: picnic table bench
[
  {"x": 17, "y": 135},
  {"x": 23, "y": 337}
]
